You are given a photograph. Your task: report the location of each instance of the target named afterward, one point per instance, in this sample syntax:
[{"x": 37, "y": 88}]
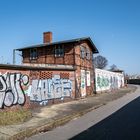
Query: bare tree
[
  {"x": 100, "y": 62},
  {"x": 113, "y": 67}
]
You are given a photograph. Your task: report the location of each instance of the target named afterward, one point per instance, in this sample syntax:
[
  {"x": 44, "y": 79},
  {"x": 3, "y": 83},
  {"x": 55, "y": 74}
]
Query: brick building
[
  {"x": 75, "y": 53},
  {"x": 50, "y": 72}
]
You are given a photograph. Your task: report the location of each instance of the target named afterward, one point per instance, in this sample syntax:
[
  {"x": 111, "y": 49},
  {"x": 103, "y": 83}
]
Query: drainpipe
[
  {"x": 94, "y": 76},
  {"x": 14, "y": 57}
]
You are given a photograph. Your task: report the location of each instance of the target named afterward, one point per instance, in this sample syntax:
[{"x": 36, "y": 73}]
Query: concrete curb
[{"x": 49, "y": 126}]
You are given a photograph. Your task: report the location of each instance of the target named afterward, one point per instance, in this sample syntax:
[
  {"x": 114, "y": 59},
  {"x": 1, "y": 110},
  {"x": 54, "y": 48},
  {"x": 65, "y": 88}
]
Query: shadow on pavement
[{"x": 122, "y": 125}]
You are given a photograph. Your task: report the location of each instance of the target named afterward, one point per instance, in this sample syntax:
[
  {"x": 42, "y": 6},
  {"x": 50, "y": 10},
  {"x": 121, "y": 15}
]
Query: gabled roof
[{"x": 88, "y": 39}]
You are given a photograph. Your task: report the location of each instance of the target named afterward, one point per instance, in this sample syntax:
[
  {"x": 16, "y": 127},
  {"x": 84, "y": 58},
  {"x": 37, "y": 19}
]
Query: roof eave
[{"x": 94, "y": 49}]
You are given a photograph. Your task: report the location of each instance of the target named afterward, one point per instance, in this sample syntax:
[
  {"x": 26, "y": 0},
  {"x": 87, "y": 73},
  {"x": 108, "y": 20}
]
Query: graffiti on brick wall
[
  {"x": 83, "y": 83},
  {"x": 11, "y": 89},
  {"x": 43, "y": 89},
  {"x": 106, "y": 80}
]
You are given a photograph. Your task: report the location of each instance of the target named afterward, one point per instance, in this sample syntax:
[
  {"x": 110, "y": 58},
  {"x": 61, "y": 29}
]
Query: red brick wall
[
  {"x": 46, "y": 56},
  {"x": 30, "y": 88},
  {"x": 84, "y": 64},
  {"x": 72, "y": 56}
]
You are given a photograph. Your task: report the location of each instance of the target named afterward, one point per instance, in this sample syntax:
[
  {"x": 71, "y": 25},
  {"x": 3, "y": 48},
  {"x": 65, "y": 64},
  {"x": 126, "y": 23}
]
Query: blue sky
[{"x": 113, "y": 25}]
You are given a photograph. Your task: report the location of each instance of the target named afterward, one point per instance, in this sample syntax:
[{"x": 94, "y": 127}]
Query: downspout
[
  {"x": 14, "y": 57},
  {"x": 75, "y": 71},
  {"x": 94, "y": 78}
]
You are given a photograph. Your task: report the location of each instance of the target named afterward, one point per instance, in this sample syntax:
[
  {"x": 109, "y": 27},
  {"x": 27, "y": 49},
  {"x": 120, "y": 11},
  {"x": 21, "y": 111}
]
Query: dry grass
[{"x": 14, "y": 117}]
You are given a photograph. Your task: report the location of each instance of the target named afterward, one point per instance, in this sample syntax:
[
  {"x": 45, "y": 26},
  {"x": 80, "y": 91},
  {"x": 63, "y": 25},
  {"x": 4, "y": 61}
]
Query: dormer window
[
  {"x": 59, "y": 51},
  {"x": 33, "y": 53}
]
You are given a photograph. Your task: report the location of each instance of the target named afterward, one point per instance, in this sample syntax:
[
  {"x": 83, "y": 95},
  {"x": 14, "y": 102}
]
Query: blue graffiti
[{"x": 44, "y": 89}]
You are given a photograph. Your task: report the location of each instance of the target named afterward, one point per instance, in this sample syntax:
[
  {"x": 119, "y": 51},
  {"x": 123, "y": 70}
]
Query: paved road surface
[{"x": 122, "y": 125}]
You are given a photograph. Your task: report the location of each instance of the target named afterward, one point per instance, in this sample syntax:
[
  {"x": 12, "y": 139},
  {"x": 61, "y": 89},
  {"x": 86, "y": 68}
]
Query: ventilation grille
[
  {"x": 45, "y": 75},
  {"x": 64, "y": 75}
]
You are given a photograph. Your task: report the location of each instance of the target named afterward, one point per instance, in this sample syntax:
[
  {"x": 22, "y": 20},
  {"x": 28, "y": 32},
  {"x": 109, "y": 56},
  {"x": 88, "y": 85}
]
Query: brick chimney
[{"x": 47, "y": 37}]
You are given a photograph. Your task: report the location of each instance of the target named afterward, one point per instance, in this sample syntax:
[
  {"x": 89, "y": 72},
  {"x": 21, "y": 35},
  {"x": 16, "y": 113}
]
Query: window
[
  {"x": 82, "y": 52},
  {"x": 33, "y": 53},
  {"x": 59, "y": 51},
  {"x": 87, "y": 54}
]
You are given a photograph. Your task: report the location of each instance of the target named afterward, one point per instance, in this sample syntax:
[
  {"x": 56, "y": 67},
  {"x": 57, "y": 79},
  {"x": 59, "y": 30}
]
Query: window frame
[
  {"x": 59, "y": 51},
  {"x": 33, "y": 54},
  {"x": 88, "y": 54},
  {"x": 82, "y": 51}
]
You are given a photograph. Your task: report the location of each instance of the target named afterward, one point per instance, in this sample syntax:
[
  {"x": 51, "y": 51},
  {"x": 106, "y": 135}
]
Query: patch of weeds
[{"x": 14, "y": 117}]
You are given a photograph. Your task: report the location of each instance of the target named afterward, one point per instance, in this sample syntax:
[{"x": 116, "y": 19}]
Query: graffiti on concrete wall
[
  {"x": 106, "y": 80},
  {"x": 102, "y": 81},
  {"x": 11, "y": 89},
  {"x": 41, "y": 90}
]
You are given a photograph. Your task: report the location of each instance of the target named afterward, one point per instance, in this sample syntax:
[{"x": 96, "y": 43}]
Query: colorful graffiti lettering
[
  {"x": 44, "y": 89},
  {"x": 11, "y": 91},
  {"x": 102, "y": 81},
  {"x": 106, "y": 80}
]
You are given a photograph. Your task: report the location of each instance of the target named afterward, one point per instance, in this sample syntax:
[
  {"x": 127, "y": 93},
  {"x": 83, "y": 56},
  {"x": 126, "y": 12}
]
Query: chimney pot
[{"x": 47, "y": 37}]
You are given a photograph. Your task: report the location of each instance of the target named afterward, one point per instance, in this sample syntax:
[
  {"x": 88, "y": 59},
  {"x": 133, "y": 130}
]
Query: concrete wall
[
  {"x": 106, "y": 80},
  {"x": 40, "y": 87}
]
